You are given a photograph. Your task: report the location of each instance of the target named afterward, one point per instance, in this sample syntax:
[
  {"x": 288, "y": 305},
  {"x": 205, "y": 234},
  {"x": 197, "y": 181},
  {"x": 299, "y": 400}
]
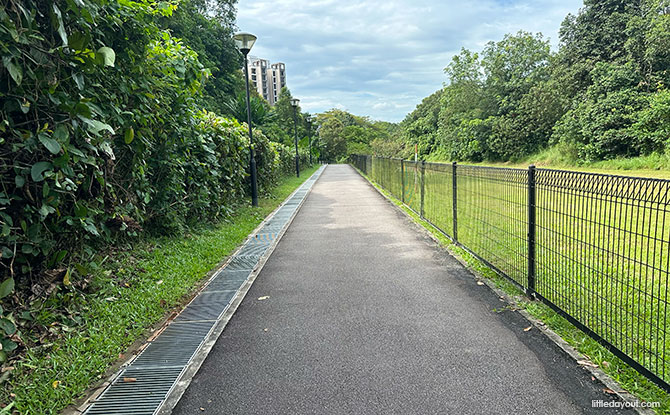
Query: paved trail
[{"x": 366, "y": 315}]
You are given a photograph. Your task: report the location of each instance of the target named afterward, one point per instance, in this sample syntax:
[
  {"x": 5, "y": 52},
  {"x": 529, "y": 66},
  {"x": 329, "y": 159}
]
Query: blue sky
[{"x": 381, "y": 58}]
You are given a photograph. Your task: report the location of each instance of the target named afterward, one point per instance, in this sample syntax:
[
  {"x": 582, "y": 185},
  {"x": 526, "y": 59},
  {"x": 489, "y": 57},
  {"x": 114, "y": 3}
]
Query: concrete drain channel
[{"x": 142, "y": 386}]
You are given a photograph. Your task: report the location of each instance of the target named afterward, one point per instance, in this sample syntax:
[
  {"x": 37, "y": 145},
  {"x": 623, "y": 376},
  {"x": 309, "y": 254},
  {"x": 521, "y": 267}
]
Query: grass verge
[
  {"x": 622, "y": 373},
  {"x": 655, "y": 165},
  {"x": 131, "y": 290}
]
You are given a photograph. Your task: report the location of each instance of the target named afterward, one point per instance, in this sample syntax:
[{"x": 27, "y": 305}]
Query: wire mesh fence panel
[
  {"x": 603, "y": 258},
  {"x": 389, "y": 175},
  {"x": 375, "y": 172},
  {"x": 412, "y": 185},
  {"x": 492, "y": 210},
  {"x": 360, "y": 162},
  {"x": 438, "y": 197}
]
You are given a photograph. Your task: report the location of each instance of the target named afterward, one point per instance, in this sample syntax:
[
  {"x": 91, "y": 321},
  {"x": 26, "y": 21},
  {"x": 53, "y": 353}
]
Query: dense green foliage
[
  {"x": 603, "y": 94},
  {"x": 282, "y": 122},
  {"x": 207, "y": 27},
  {"x": 109, "y": 129},
  {"x": 341, "y": 134}
]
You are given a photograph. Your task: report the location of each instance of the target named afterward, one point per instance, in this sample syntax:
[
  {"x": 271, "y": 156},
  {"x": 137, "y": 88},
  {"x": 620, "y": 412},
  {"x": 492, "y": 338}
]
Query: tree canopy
[{"x": 602, "y": 95}]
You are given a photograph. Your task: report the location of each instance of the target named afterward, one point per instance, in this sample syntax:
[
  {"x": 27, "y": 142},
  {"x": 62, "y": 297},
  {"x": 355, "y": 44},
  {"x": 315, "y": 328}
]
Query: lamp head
[{"x": 244, "y": 41}]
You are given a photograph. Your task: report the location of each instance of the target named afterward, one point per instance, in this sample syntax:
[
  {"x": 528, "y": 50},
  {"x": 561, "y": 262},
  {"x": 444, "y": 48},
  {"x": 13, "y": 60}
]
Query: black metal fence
[{"x": 594, "y": 247}]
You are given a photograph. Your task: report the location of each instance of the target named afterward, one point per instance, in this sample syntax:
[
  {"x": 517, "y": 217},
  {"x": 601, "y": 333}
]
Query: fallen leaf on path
[
  {"x": 609, "y": 391},
  {"x": 129, "y": 380},
  {"x": 586, "y": 363},
  {"x": 265, "y": 297},
  {"x": 265, "y": 329},
  {"x": 480, "y": 283},
  {"x": 593, "y": 378},
  {"x": 528, "y": 328}
]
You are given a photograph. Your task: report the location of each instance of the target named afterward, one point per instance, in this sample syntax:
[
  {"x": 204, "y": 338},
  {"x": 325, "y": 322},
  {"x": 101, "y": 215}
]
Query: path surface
[{"x": 366, "y": 315}]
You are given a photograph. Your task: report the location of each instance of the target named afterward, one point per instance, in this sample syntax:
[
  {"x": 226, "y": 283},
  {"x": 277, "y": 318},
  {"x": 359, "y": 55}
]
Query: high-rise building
[{"x": 268, "y": 79}]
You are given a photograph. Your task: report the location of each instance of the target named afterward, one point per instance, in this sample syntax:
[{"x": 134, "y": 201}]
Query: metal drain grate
[
  {"x": 272, "y": 228},
  {"x": 277, "y": 221},
  {"x": 240, "y": 262},
  {"x": 139, "y": 397},
  {"x": 266, "y": 237},
  {"x": 223, "y": 285},
  {"x": 163, "y": 353},
  {"x": 284, "y": 213},
  {"x": 185, "y": 331},
  {"x": 229, "y": 275},
  {"x": 206, "y": 306},
  {"x": 253, "y": 249}
]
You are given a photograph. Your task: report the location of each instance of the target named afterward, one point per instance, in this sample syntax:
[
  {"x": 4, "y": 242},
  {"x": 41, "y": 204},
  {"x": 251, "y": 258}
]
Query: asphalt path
[{"x": 367, "y": 315}]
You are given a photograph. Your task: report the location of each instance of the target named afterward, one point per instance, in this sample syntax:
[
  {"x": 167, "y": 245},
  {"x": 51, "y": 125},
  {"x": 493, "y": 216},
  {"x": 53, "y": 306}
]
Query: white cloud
[{"x": 382, "y": 57}]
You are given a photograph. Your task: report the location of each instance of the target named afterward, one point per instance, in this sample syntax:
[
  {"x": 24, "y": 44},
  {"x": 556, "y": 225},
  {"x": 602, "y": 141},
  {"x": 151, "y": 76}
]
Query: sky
[{"x": 380, "y": 58}]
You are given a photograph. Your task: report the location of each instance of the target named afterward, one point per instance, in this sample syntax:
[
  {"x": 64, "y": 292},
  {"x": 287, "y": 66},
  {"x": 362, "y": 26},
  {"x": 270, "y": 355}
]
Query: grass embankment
[
  {"x": 440, "y": 209},
  {"x": 654, "y": 165},
  {"x": 130, "y": 291}
]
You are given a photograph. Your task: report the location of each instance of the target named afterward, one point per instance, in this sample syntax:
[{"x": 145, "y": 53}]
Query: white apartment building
[{"x": 268, "y": 79}]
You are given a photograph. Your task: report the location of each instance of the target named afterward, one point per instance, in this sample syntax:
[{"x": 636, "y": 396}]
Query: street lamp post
[
  {"x": 294, "y": 103},
  {"x": 309, "y": 120},
  {"x": 244, "y": 42}
]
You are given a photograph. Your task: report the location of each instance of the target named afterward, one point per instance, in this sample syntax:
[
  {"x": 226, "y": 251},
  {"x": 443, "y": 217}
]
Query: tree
[
  {"x": 342, "y": 133},
  {"x": 332, "y": 142},
  {"x": 283, "y": 113},
  {"x": 421, "y": 125},
  {"x": 207, "y": 27},
  {"x": 236, "y": 107},
  {"x": 489, "y": 109}
]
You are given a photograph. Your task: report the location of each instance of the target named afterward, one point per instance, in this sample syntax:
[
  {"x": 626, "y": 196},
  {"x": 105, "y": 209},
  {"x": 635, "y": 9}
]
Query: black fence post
[
  {"x": 422, "y": 180},
  {"x": 402, "y": 180},
  {"x": 454, "y": 194},
  {"x": 530, "y": 290}
]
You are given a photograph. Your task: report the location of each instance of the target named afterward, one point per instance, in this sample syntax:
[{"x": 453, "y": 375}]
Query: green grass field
[
  {"x": 654, "y": 165},
  {"x": 602, "y": 243}
]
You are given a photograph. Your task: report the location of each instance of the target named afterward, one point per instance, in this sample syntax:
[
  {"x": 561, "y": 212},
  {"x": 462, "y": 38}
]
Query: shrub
[{"x": 102, "y": 137}]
